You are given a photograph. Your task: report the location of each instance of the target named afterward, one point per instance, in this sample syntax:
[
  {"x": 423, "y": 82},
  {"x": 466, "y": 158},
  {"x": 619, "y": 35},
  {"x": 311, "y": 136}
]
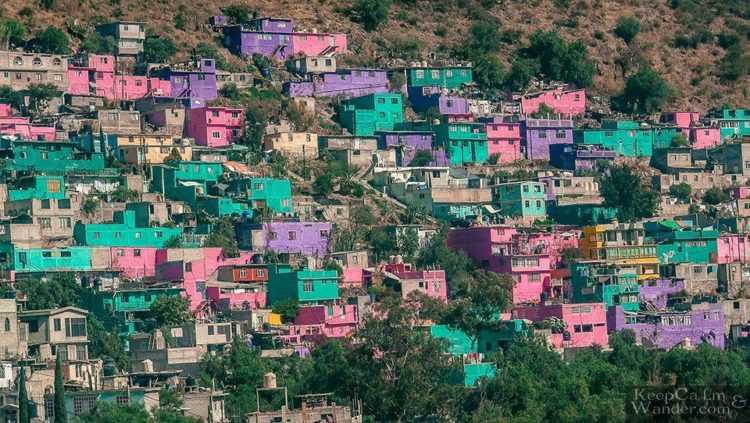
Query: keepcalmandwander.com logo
[{"x": 698, "y": 403}]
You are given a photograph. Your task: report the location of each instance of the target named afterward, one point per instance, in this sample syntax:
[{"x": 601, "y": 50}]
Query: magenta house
[
  {"x": 579, "y": 156},
  {"x": 407, "y": 143},
  {"x": 275, "y": 38},
  {"x": 408, "y": 279},
  {"x": 570, "y": 103},
  {"x": 503, "y": 139},
  {"x": 538, "y": 134},
  {"x": 696, "y": 323},
  {"x": 347, "y": 83},
  {"x": 424, "y": 98},
  {"x": 214, "y": 126},
  {"x": 315, "y": 323},
  {"x": 585, "y": 324},
  {"x": 306, "y": 238},
  {"x": 194, "y": 86}
]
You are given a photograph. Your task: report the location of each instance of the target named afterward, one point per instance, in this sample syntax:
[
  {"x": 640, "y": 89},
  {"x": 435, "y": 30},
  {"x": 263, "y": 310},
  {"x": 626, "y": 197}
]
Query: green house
[
  {"x": 582, "y": 214},
  {"x": 678, "y": 244},
  {"x": 364, "y": 115},
  {"x": 123, "y": 232},
  {"x": 628, "y": 138},
  {"x": 84, "y": 401},
  {"x": 261, "y": 193},
  {"x": 53, "y": 156},
  {"x": 120, "y": 310},
  {"x": 599, "y": 281},
  {"x": 45, "y": 260},
  {"x": 190, "y": 182},
  {"x": 39, "y": 187},
  {"x": 733, "y": 123},
  {"x": 449, "y": 76},
  {"x": 307, "y": 286},
  {"x": 521, "y": 199},
  {"x": 463, "y": 142}
]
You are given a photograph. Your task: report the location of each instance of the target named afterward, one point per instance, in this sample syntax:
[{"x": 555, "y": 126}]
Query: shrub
[
  {"x": 98, "y": 44},
  {"x": 51, "y": 40},
  {"x": 485, "y": 37},
  {"x": 681, "y": 191},
  {"x": 159, "y": 49},
  {"x": 558, "y": 59},
  {"x": 733, "y": 65},
  {"x": 14, "y": 31},
  {"x": 372, "y": 13},
  {"x": 627, "y": 28},
  {"x": 645, "y": 91},
  {"x": 521, "y": 73},
  {"x": 237, "y": 13},
  {"x": 715, "y": 196}
]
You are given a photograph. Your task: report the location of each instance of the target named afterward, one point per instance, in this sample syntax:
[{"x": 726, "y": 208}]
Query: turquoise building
[
  {"x": 46, "y": 260},
  {"x": 52, "y": 156},
  {"x": 522, "y": 199},
  {"x": 364, "y": 115},
  {"x": 582, "y": 214},
  {"x": 678, "y": 244},
  {"x": 603, "y": 282},
  {"x": 123, "y": 232},
  {"x": 732, "y": 123},
  {"x": 463, "y": 142},
  {"x": 628, "y": 138},
  {"x": 308, "y": 287},
  {"x": 449, "y": 77},
  {"x": 261, "y": 193},
  {"x": 39, "y": 187}
]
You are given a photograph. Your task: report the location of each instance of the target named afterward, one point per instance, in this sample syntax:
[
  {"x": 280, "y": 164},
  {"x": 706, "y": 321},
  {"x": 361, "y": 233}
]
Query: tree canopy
[
  {"x": 645, "y": 92},
  {"x": 625, "y": 191}
]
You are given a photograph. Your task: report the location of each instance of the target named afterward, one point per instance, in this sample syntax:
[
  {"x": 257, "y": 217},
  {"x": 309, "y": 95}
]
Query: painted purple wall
[
  {"x": 577, "y": 157},
  {"x": 657, "y": 291},
  {"x": 348, "y": 83},
  {"x": 311, "y": 238},
  {"x": 198, "y": 85},
  {"x": 424, "y": 98},
  {"x": 410, "y": 142},
  {"x": 707, "y": 326},
  {"x": 538, "y": 134}
]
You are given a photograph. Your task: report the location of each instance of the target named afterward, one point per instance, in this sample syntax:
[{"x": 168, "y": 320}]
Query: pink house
[
  {"x": 227, "y": 296},
  {"x": 483, "y": 244},
  {"x": 5, "y": 110},
  {"x": 96, "y": 75},
  {"x": 531, "y": 274},
  {"x": 732, "y": 247},
  {"x": 354, "y": 277},
  {"x": 570, "y": 103},
  {"x": 705, "y": 136},
  {"x": 430, "y": 282},
  {"x": 682, "y": 120},
  {"x": 22, "y": 126},
  {"x": 504, "y": 139},
  {"x": 315, "y": 323},
  {"x": 586, "y": 324},
  {"x": 318, "y": 44},
  {"x": 134, "y": 263},
  {"x": 689, "y": 122},
  {"x": 215, "y": 126}
]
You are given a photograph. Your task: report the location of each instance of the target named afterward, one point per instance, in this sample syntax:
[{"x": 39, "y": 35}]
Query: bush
[
  {"x": 14, "y": 30},
  {"x": 681, "y": 191},
  {"x": 159, "y": 49},
  {"x": 521, "y": 73},
  {"x": 237, "y": 13},
  {"x": 98, "y": 44},
  {"x": 627, "y": 28},
  {"x": 733, "y": 65},
  {"x": 714, "y": 196},
  {"x": 558, "y": 59},
  {"x": 727, "y": 39},
  {"x": 645, "y": 92},
  {"x": 488, "y": 71},
  {"x": 372, "y": 13},
  {"x": 485, "y": 37},
  {"x": 51, "y": 40},
  {"x": 422, "y": 158}
]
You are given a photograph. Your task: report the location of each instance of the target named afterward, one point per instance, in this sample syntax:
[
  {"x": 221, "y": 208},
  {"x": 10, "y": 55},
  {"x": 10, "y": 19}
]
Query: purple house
[
  {"x": 307, "y": 238},
  {"x": 407, "y": 143},
  {"x": 579, "y": 156},
  {"x": 658, "y": 291},
  {"x": 424, "y": 98},
  {"x": 194, "y": 86},
  {"x": 538, "y": 134},
  {"x": 271, "y": 37},
  {"x": 218, "y": 20},
  {"x": 697, "y": 323},
  {"x": 348, "y": 83}
]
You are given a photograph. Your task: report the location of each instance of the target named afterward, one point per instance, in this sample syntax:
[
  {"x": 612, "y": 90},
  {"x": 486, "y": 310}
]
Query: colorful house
[
  {"x": 450, "y": 77},
  {"x": 215, "y": 126},
  {"x": 41, "y": 260},
  {"x": 687, "y": 325},
  {"x": 374, "y": 112},
  {"x": 317, "y": 322},
  {"x": 307, "y": 238},
  {"x": 194, "y": 84},
  {"x": 571, "y": 102},
  {"x": 226, "y": 296},
  {"x": 123, "y": 233},
  {"x": 407, "y": 279},
  {"x": 134, "y": 262},
  {"x": 579, "y": 156},
  {"x": 347, "y": 83},
  {"x": 425, "y": 98},
  {"x": 263, "y": 193},
  {"x": 600, "y": 282},
  {"x": 407, "y": 143},
  {"x": 683, "y": 244},
  {"x": 150, "y": 149},
  {"x": 40, "y": 187},
  {"x": 463, "y": 141},
  {"x": 583, "y": 325},
  {"x": 52, "y": 156},
  {"x": 308, "y": 287},
  {"x": 732, "y": 123},
  {"x": 244, "y": 273},
  {"x": 95, "y": 75},
  {"x": 539, "y": 134},
  {"x": 503, "y": 139},
  {"x": 531, "y": 274},
  {"x": 525, "y": 200},
  {"x": 627, "y": 138},
  {"x": 624, "y": 244},
  {"x": 276, "y": 38}
]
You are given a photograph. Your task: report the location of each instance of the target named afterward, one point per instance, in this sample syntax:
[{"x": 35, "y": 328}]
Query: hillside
[{"x": 419, "y": 27}]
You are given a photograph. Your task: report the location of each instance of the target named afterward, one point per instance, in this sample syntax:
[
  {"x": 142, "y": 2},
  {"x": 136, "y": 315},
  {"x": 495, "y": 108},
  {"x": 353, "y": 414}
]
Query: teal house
[
  {"x": 262, "y": 193},
  {"x": 84, "y": 401},
  {"x": 52, "y": 156},
  {"x": 362, "y": 116},
  {"x": 45, "y": 260},
  {"x": 308, "y": 287},
  {"x": 122, "y": 310},
  {"x": 123, "y": 232},
  {"x": 681, "y": 244},
  {"x": 628, "y": 138},
  {"x": 521, "y": 199},
  {"x": 582, "y": 214},
  {"x": 732, "y": 123},
  {"x": 463, "y": 142},
  {"x": 594, "y": 281},
  {"x": 39, "y": 187},
  {"x": 449, "y": 77}
]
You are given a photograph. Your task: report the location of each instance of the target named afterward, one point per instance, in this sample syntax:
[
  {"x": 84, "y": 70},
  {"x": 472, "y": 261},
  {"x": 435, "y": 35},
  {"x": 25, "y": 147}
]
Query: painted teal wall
[
  {"x": 122, "y": 233},
  {"x": 277, "y": 193},
  {"x": 41, "y": 187},
  {"x": 587, "y": 289},
  {"x": 42, "y": 260},
  {"x": 464, "y": 142},
  {"x": 452, "y": 77},
  {"x": 364, "y": 115},
  {"x": 626, "y": 137},
  {"x": 284, "y": 284},
  {"x": 53, "y": 156},
  {"x": 522, "y": 199}
]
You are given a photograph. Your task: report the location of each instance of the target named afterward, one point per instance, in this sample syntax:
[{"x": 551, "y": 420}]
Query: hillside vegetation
[{"x": 697, "y": 46}]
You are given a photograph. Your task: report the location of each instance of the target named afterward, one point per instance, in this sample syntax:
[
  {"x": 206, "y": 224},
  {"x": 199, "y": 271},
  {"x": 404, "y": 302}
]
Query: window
[
  {"x": 83, "y": 404},
  {"x": 260, "y": 273},
  {"x": 137, "y": 252},
  {"x": 324, "y": 234},
  {"x": 381, "y": 100},
  {"x": 122, "y": 400},
  {"x": 49, "y": 408},
  {"x": 272, "y": 236},
  {"x": 7, "y": 324},
  {"x": 58, "y": 77},
  {"x": 118, "y": 234},
  {"x": 45, "y": 222},
  {"x": 210, "y": 329},
  {"x": 419, "y": 74},
  {"x": 158, "y": 234},
  {"x": 45, "y": 204},
  {"x": 307, "y": 286},
  {"x": 535, "y": 277},
  {"x": 292, "y": 235},
  {"x": 258, "y": 186},
  {"x": 17, "y": 61},
  {"x": 243, "y": 273},
  {"x": 542, "y": 134},
  {"x": 75, "y": 326},
  {"x": 120, "y": 252}
]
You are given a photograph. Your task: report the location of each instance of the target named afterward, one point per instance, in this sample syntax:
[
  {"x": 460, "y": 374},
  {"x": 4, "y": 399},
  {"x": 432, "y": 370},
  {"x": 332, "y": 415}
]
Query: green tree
[
  {"x": 559, "y": 59},
  {"x": 15, "y": 98},
  {"x": 173, "y": 242},
  {"x": 488, "y": 294},
  {"x": 627, "y": 28},
  {"x": 488, "y": 71},
  {"x": 12, "y": 33},
  {"x": 372, "y": 13},
  {"x": 415, "y": 214},
  {"x": 98, "y": 44},
  {"x": 734, "y": 64},
  {"x": 422, "y": 158},
  {"x": 679, "y": 140},
  {"x": 457, "y": 265},
  {"x": 61, "y": 414},
  {"x": 681, "y": 191},
  {"x": 408, "y": 244},
  {"x": 40, "y": 95},
  {"x": 108, "y": 412},
  {"x": 714, "y": 196},
  {"x": 237, "y": 13},
  {"x": 106, "y": 345},
  {"x": 645, "y": 92},
  {"x": 51, "y": 40},
  {"x": 287, "y": 308},
  {"x": 381, "y": 243},
  {"x": 363, "y": 215},
  {"x": 520, "y": 74},
  {"x": 124, "y": 195},
  {"x": 323, "y": 185},
  {"x": 89, "y": 206},
  {"x": 60, "y": 291},
  {"x": 171, "y": 310},
  {"x": 23, "y": 396},
  {"x": 624, "y": 190},
  {"x": 159, "y": 49},
  {"x": 485, "y": 37},
  {"x": 223, "y": 236}
]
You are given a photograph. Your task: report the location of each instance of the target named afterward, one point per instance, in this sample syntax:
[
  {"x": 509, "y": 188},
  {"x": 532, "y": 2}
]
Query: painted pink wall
[
  {"x": 6, "y": 110},
  {"x": 201, "y": 124},
  {"x": 596, "y": 317},
  {"x": 741, "y": 193},
  {"x": 524, "y": 290},
  {"x": 78, "y": 80},
  {"x": 310, "y": 44},
  {"x": 315, "y": 323},
  {"x": 236, "y": 300},
  {"x": 731, "y": 248},
  {"x": 563, "y": 102},
  {"x": 135, "y": 267},
  {"x": 20, "y": 126},
  {"x": 353, "y": 277},
  {"x": 705, "y": 137}
]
